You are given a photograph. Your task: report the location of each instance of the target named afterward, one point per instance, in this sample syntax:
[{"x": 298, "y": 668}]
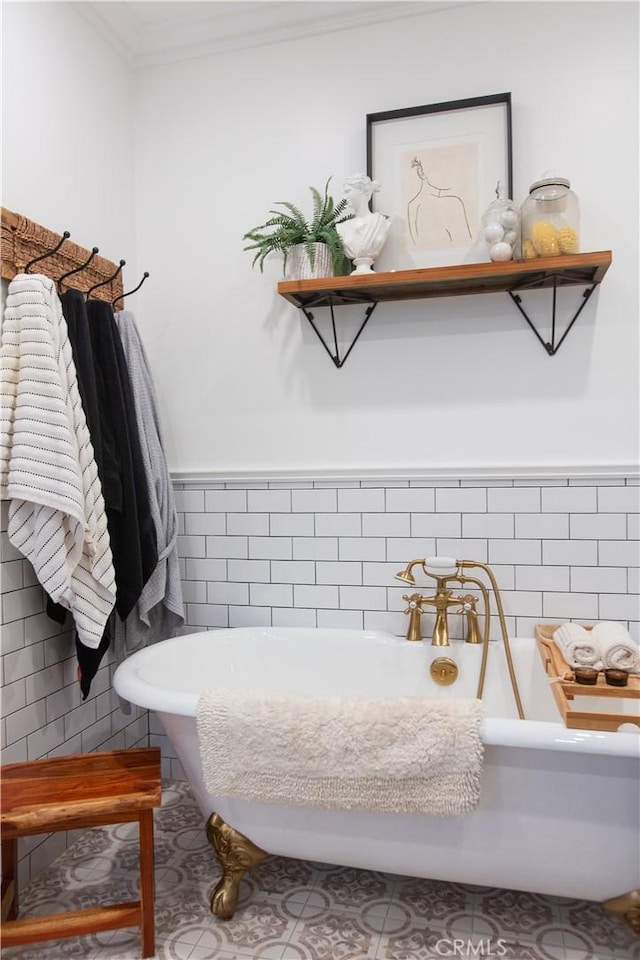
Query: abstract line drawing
[
  {"x": 436, "y": 215},
  {"x": 437, "y": 165}
]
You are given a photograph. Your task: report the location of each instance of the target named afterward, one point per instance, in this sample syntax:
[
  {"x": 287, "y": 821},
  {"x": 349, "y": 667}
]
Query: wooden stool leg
[
  {"x": 10, "y": 879},
  {"x": 147, "y": 883}
]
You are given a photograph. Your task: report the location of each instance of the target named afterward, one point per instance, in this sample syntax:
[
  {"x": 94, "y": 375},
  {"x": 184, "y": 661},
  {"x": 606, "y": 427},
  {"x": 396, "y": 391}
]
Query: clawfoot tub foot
[
  {"x": 627, "y": 907},
  {"x": 236, "y": 854}
]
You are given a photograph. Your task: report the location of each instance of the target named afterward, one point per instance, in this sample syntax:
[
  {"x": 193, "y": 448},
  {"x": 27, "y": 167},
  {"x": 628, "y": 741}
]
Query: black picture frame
[{"x": 468, "y": 143}]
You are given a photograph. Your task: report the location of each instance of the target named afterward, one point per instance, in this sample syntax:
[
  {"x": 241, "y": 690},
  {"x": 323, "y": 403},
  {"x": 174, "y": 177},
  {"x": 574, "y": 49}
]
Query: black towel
[{"x": 124, "y": 486}]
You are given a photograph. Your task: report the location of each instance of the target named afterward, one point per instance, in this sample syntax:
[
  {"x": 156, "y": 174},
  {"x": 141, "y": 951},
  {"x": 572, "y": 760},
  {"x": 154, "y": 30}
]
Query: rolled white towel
[
  {"x": 578, "y": 646},
  {"x": 617, "y": 647}
]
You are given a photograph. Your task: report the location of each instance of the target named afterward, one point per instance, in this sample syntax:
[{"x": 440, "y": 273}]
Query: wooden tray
[{"x": 565, "y": 689}]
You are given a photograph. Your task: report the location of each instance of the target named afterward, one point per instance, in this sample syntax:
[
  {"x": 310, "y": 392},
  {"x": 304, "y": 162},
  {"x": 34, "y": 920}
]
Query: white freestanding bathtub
[{"x": 559, "y": 811}]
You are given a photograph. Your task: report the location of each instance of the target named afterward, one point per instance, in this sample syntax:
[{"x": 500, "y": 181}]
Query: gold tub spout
[{"x": 442, "y": 600}]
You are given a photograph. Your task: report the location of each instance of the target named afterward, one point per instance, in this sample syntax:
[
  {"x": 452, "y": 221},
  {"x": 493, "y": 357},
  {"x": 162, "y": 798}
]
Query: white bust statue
[{"x": 363, "y": 236}]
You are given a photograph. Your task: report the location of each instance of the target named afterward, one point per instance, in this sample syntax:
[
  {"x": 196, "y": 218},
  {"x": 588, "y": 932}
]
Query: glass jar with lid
[
  {"x": 500, "y": 227},
  {"x": 550, "y": 219}
]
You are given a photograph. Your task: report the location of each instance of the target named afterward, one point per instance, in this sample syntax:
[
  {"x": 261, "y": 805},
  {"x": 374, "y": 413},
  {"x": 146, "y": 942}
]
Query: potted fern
[{"x": 310, "y": 248}]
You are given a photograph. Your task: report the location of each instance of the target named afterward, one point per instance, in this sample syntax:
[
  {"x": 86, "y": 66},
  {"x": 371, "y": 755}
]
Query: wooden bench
[{"x": 67, "y": 793}]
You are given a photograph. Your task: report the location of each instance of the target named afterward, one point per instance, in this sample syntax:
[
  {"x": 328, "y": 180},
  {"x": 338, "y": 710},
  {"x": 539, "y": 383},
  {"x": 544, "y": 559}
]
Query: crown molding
[
  {"x": 157, "y": 45},
  {"x": 125, "y": 46}
]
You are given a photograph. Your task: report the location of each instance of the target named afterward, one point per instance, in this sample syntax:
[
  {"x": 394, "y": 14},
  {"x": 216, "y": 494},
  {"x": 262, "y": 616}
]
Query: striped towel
[{"x": 47, "y": 467}]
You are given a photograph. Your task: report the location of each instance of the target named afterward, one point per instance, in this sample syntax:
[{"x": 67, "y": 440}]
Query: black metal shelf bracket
[
  {"x": 324, "y": 301},
  {"x": 551, "y": 346}
]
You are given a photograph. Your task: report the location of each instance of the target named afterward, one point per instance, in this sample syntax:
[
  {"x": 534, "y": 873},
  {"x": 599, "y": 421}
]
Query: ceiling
[{"x": 147, "y": 32}]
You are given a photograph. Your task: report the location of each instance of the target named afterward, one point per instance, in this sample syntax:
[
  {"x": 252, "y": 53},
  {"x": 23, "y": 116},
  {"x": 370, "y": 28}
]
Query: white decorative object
[
  {"x": 501, "y": 251},
  {"x": 499, "y": 236},
  {"x": 363, "y": 236},
  {"x": 501, "y": 223},
  {"x": 493, "y": 232}
]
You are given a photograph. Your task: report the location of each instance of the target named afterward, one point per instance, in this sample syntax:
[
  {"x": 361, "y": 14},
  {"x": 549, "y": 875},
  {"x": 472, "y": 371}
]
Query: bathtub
[{"x": 559, "y": 809}]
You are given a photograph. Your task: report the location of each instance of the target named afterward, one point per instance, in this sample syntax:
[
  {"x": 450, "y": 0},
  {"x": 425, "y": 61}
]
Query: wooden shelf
[{"x": 467, "y": 278}]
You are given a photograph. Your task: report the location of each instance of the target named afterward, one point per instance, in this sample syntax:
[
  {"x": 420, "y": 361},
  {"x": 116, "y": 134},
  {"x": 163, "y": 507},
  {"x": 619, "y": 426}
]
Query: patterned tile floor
[{"x": 295, "y": 910}]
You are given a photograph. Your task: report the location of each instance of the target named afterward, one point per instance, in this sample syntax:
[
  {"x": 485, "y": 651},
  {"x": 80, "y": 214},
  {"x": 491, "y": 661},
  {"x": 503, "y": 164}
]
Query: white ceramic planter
[{"x": 299, "y": 266}]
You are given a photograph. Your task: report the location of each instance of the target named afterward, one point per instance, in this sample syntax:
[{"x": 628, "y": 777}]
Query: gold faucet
[
  {"x": 443, "y": 570},
  {"x": 442, "y": 600}
]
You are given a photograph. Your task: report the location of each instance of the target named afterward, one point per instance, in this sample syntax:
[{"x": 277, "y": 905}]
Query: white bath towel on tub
[
  {"x": 578, "y": 646},
  {"x": 617, "y": 647},
  {"x": 399, "y": 755}
]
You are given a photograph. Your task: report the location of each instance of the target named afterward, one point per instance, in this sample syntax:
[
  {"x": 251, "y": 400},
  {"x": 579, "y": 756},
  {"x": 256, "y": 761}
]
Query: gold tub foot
[
  {"x": 236, "y": 854},
  {"x": 627, "y": 907}
]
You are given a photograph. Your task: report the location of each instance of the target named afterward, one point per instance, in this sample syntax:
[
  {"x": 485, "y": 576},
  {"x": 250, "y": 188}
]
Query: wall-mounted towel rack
[{"x": 24, "y": 240}]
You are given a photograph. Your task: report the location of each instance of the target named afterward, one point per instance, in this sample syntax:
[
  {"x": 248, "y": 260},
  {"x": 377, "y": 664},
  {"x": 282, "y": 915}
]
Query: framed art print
[{"x": 438, "y": 167}]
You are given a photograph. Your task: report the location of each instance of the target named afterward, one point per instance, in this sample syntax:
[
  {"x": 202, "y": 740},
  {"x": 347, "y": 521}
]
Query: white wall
[
  {"x": 67, "y": 164},
  {"x": 67, "y": 129},
  {"x": 243, "y": 381}
]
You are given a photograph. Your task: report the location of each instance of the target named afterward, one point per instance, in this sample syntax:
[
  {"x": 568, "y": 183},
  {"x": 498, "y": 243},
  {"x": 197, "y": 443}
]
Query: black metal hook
[
  {"x": 103, "y": 283},
  {"x": 79, "y": 269},
  {"x": 129, "y": 292},
  {"x": 49, "y": 253}
]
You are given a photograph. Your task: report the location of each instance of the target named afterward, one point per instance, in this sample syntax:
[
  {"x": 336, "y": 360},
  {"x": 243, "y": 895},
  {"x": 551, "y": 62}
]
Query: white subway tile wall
[
  {"x": 320, "y": 554},
  {"x": 43, "y": 714}
]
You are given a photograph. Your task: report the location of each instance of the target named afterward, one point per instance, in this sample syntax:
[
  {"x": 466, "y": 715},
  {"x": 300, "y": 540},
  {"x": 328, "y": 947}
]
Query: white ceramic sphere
[
  {"x": 509, "y": 218},
  {"x": 510, "y": 236},
  {"x": 493, "y": 232},
  {"x": 501, "y": 251}
]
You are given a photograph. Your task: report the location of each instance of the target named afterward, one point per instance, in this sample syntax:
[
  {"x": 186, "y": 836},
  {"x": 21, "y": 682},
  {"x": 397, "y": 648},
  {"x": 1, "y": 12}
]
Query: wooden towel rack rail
[{"x": 23, "y": 240}]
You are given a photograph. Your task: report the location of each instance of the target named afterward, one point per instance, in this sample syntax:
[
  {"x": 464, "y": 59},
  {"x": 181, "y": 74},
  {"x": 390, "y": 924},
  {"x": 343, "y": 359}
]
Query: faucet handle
[
  {"x": 414, "y": 601},
  {"x": 468, "y": 603}
]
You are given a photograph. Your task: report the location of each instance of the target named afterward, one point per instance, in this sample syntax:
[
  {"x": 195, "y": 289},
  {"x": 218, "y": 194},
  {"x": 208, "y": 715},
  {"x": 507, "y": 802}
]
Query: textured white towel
[
  {"x": 47, "y": 467},
  {"x": 408, "y": 755},
  {"x": 617, "y": 647},
  {"x": 578, "y": 646}
]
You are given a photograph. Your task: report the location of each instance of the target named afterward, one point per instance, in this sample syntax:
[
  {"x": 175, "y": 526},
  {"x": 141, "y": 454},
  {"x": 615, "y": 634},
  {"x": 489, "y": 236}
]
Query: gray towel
[{"x": 159, "y": 612}]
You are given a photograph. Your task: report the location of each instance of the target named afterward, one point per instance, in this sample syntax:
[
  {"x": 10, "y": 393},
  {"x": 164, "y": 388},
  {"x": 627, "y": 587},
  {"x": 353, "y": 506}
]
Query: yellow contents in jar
[
  {"x": 568, "y": 240},
  {"x": 544, "y": 238},
  {"x": 528, "y": 251}
]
